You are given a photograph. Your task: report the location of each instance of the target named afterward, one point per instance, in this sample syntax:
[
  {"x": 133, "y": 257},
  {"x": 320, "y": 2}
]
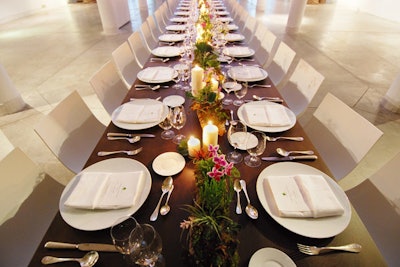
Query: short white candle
[
  {"x": 210, "y": 135},
  {"x": 193, "y": 146},
  {"x": 197, "y": 79},
  {"x": 214, "y": 85}
]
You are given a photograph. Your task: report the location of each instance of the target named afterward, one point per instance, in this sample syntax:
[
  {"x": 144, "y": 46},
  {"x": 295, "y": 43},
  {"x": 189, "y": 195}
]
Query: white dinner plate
[
  {"x": 169, "y": 163},
  {"x": 174, "y": 100},
  {"x": 171, "y": 37},
  {"x": 270, "y": 257},
  {"x": 176, "y": 27},
  {"x": 158, "y": 74},
  {"x": 92, "y": 220},
  {"x": 222, "y": 13},
  {"x": 247, "y": 73},
  {"x": 225, "y": 19},
  {"x": 167, "y": 51},
  {"x": 232, "y": 27},
  {"x": 182, "y": 13},
  {"x": 270, "y": 129},
  {"x": 238, "y": 51},
  {"x": 310, "y": 227},
  {"x": 234, "y": 37},
  {"x": 179, "y": 19},
  {"x": 243, "y": 140},
  {"x": 138, "y": 126}
]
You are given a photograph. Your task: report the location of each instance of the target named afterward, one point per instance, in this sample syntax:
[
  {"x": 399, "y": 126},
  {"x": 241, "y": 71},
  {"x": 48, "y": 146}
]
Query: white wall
[
  {"x": 13, "y": 9},
  {"x": 388, "y": 9}
]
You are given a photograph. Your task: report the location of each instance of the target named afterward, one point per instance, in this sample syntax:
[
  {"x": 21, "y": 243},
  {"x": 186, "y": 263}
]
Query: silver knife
[
  {"x": 82, "y": 246},
  {"x": 130, "y": 135},
  {"x": 289, "y": 158}
]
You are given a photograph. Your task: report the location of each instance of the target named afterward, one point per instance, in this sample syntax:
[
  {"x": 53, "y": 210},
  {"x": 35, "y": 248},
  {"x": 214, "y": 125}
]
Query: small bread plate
[
  {"x": 270, "y": 257},
  {"x": 138, "y": 126},
  {"x": 168, "y": 163},
  {"x": 97, "y": 219},
  {"x": 243, "y": 140},
  {"x": 174, "y": 100},
  {"x": 323, "y": 227}
]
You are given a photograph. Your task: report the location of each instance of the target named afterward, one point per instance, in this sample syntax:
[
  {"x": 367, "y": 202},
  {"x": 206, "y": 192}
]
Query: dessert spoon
[
  {"x": 251, "y": 211},
  {"x": 166, "y": 208},
  {"x": 286, "y": 153},
  {"x": 237, "y": 187},
  {"x": 165, "y": 187},
  {"x": 88, "y": 260},
  {"x": 131, "y": 140}
]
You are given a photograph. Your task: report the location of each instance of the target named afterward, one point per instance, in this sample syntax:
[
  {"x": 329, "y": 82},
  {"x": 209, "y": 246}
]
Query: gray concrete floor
[{"x": 54, "y": 52}]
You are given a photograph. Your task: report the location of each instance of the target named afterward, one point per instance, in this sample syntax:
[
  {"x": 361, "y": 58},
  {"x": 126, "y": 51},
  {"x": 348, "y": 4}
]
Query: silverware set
[
  {"x": 131, "y": 138},
  {"x": 166, "y": 187},
  {"x": 251, "y": 211}
]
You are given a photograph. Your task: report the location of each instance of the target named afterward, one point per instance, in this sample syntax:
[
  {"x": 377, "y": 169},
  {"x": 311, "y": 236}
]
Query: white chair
[
  {"x": 255, "y": 42},
  {"x": 162, "y": 24},
  {"x": 280, "y": 64},
  {"x": 5, "y": 145},
  {"x": 10, "y": 99},
  {"x": 301, "y": 87},
  {"x": 126, "y": 64},
  {"x": 28, "y": 204},
  {"x": 377, "y": 203},
  {"x": 341, "y": 135},
  {"x": 266, "y": 51},
  {"x": 138, "y": 48},
  {"x": 153, "y": 26},
  {"x": 148, "y": 39},
  {"x": 71, "y": 131},
  {"x": 249, "y": 28},
  {"x": 108, "y": 86}
]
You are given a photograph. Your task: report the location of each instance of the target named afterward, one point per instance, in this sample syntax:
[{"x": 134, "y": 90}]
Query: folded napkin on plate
[
  {"x": 237, "y": 51},
  {"x": 136, "y": 113},
  {"x": 244, "y": 73},
  {"x": 106, "y": 190},
  {"x": 303, "y": 196},
  {"x": 266, "y": 115}
]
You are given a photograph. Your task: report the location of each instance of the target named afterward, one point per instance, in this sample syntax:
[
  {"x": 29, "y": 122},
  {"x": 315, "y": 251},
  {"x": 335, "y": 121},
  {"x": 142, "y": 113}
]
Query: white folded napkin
[
  {"x": 231, "y": 37},
  {"x": 237, "y": 51},
  {"x": 266, "y": 115},
  {"x": 137, "y": 113},
  {"x": 244, "y": 73},
  {"x": 303, "y": 196},
  {"x": 155, "y": 74},
  {"x": 106, "y": 190}
]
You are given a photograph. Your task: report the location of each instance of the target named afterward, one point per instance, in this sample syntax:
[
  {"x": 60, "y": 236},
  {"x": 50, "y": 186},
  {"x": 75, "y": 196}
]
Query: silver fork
[
  {"x": 131, "y": 140},
  {"x": 128, "y": 152},
  {"x": 313, "y": 250},
  {"x": 153, "y": 59},
  {"x": 272, "y": 139},
  {"x": 259, "y": 85}
]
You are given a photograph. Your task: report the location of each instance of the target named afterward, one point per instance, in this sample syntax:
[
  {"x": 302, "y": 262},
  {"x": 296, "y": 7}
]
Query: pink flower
[
  {"x": 220, "y": 161},
  {"x": 215, "y": 173},
  {"x": 213, "y": 150},
  {"x": 228, "y": 169}
]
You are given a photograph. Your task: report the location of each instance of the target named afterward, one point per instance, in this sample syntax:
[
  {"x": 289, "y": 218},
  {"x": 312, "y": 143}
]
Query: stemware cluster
[
  {"x": 139, "y": 243},
  {"x": 176, "y": 118}
]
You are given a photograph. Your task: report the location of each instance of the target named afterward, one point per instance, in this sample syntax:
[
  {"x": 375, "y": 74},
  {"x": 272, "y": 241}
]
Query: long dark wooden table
[{"x": 254, "y": 234}]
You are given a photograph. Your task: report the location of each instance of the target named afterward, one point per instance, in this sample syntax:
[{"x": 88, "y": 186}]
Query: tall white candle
[
  {"x": 193, "y": 146},
  {"x": 210, "y": 135},
  {"x": 197, "y": 79}
]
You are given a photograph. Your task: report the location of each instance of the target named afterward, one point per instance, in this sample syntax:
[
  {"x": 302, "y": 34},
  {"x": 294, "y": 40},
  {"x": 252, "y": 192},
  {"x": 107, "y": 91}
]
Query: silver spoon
[
  {"x": 131, "y": 140},
  {"x": 165, "y": 187},
  {"x": 273, "y": 99},
  {"x": 128, "y": 152},
  {"x": 286, "y": 153},
  {"x": 166, "y": 208},
  {"x": 155, "y": 87},
  {"x": 88, "y": 260},
  {"x": 251, "y": 211},
  {"x": 272, "y": 139},
  {"x": 237, "y": 187}
]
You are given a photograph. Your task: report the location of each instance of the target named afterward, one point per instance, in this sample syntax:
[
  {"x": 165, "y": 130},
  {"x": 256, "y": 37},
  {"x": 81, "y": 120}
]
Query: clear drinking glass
[
  {"x": 121, "y": 232},
  {"x": 240, "y": 94},
  {"x": 167, "y": 134},
  {"x": 236, "y": 131},
  {"x": 147, "y": 250},
  {"x": 178, "y": 120},
  {"x": 252, "y": 160}
]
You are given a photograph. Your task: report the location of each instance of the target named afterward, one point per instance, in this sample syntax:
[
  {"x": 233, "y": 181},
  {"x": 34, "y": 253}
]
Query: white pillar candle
[
  {"x": 210, "y": 135},
  {"x": 197, "y": 79},
  {"x": 214, "y": 85},
  {"x": 193, "y": 146}
]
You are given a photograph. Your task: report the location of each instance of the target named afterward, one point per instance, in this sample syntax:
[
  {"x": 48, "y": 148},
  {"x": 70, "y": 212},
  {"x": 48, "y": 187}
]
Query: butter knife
[
  {"x": 130, "y": 135},
  {"x": 290, "y": 158},
  {"x": 82, "y": 246}
]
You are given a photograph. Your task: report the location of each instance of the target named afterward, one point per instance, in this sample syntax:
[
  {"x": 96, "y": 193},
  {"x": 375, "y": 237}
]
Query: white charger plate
[
  {"x": 167, "y": 51},
  {"x": 270, "y": 129},
  {"x": 168, "y": 163},
  {"x": 138, "y": 126},
  {"x": 310, "y": 227},
  {"x": 176, "y": 27},
  {"x": 141, "y": 75},
  {"x": 171, "y": 37},
  {"x": 179, "y": 19},
  {"x": 270, "y": 257},
  {"x": 230, "y": 51},
  {"x": 232, "y": 27},
  {"x": 234, "y": 37},
  {"x": 263, "y": 74},
  {"x": 92, "y": 220}
]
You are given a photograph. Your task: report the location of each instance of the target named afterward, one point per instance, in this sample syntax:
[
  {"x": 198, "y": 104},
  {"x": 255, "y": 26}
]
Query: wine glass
[
  {"x": 121, "y": 232},
  {"x": 179, "y": 69},
  {"x": 167, "y": 134},
  {"x": 255, "y": 149},
  {"x": 236, "y": 132},
  {"x": 240, "y": 94},
  {"x": 178, "y": 120},
  {"x": 146, "y": 250}
]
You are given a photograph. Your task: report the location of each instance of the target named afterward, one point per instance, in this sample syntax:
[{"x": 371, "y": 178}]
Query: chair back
[
  {"x": 108, "y": 86},
  {"x": 126, "y": 64},
  {"x": 267, "y": 49},
  {"x": 28, "y": 204},
  {"x": 71, "y": 131},
  {"x": 341, "y": 135},
  {"x": 148, "y": 38},
  {"x": 281, "y": 62},
  {"x": 138, "y": 48},
  {"x": 302, "y": 86},
  {"x": 250, "y": 28}
]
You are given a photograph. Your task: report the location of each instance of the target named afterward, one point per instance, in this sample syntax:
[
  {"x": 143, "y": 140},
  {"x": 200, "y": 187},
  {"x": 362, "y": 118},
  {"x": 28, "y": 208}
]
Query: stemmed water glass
[
  {"x": 121, "y": 232},
  {"x": 252, "y": 160},
  {"x": 236, "y": 132},
  {"x": 240, "y": 94},
  {"x": 167, "y": 133},
  {"x": 146, "y": 250},
  {"x": 178, "y": 120}
]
